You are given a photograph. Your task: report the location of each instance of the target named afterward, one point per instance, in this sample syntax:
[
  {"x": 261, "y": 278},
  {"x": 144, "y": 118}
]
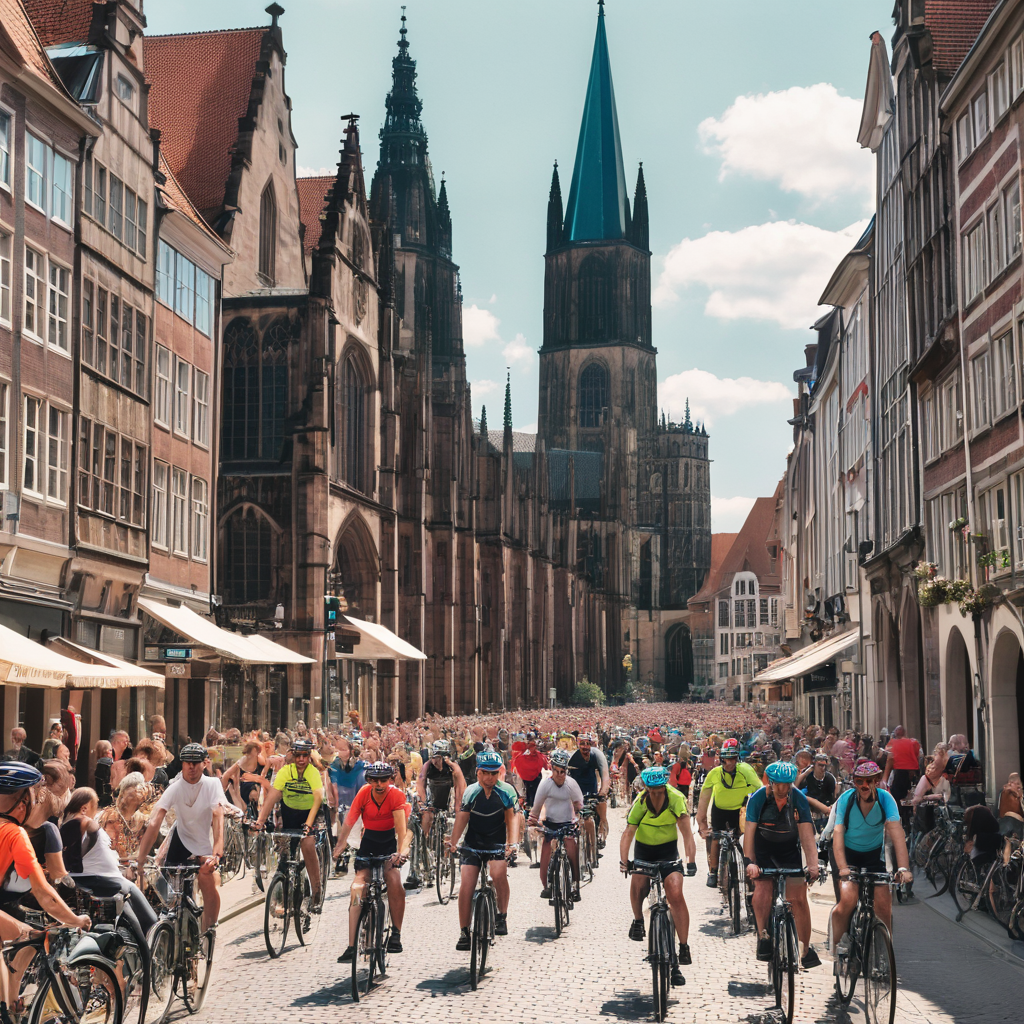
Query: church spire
[
  {"x": 444, "y": 221},
  {"x": 483, "y": 422},
  {"x": 508, "y": 401},
  {"x": 403, "y": 107},
  {"x": 687, "y": 425},
  {"x": 555, "y": 211},
  {"x": 598, "y": 208},
  {"x": 640, "y": 229}
]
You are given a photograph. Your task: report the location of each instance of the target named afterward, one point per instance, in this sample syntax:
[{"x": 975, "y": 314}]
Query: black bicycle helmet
[
  {"x": 301, "y": 745},
  {"x": 193, "y": 753},
  {"x": 379, "y": 770}
]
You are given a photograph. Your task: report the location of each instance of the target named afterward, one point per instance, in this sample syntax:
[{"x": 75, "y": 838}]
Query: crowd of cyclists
[{"x": 792, "y": 800}]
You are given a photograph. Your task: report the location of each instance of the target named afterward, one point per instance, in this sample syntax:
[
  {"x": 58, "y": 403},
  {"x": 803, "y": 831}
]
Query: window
[
  {"x": 121, "y": 341},
  {"x": 35, "y": 293},
  {"x": 593, "y": 395},
  {"x": 930, "y": 427},
  {"x": 61, "y": 206},
  {"x": 129, "y": 218},
  {"x": 247, "y": 558},
  {"x": 101, "y": 195},
  {"x": 775, "y": 612},
  {"x": 45, "y": 450},
  {"x": 116, "y": 207},
  {"x": 182, "y": 396},
  {"x": 60, "y": 286},
  {"x": 979, "y": 111},
  {"x": 723, "y": 670},
  {"x": 158, "y": 523},
  {"x": 165, "y": 273},
  {"x": 763, "y": 608},
  {"x": 974, "y": 261},
  {"x": 179, "y": 511},
  {"x": 185, "y": 280},
  {"x": 980, "y": 390},
  {"x": 139, "y": 468},
  {"x": 996, "y": 239},
  {"x": 4, "y": 443},
  {"x": 992, "y": 517},
  {"x": 142, "y": 217},
  {"x": 739, "y": 613},
  {"x": 162, "y": 395},
  {"x": 32, "y": 481},
  {"x": 200, "y": 518},
  {"x": 57, "y": 456},
  {"x": 35, "y": 171},
  {"x": 268, "y": 234},
  {"x": 1017, "y": 499},
  {"x": 1011, "y": 220},
  {"x": 723, "y": 614},
  {"x": 183, "y": 286},
  {"x": 204, "y": 302},
  {"x": 201, "y": 409},
  {"x": 125, "y": 490},
  {"x": 1005, "y": 377},
  {"x": 951, "y": 418},
  {"x": 964, "y": 136},
  {"x": 255, "y": 390},
  {"x": 1000, "y": 90},
  {"x": 101, "y": 330},
  {"x": 5, "y": 149},
  {"x": 354, "y": 452},
  {"x": 125, "y": 90},
  {"x": 723, "y": 643},
  {"x": 741, "y": 586},
  {"x": 87, "y": 189},
  {"x": 752, "y": 610},
  {"x": 88, "y": 326},
  {"x": 5, "y": 277}
]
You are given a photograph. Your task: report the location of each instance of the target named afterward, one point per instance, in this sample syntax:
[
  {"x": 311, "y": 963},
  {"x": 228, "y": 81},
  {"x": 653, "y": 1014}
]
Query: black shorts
[
  {"x": 900, "y": 783},
  {"x": 667, "y": 852},
  {"x": 439, "y": 798},
  {"x": 293, "y": 818},
  {"x": 469, "y": 859},
  {"x": 866, "y": 860},
  {"x": 776, "y": 855},
  {"x": 178, "y": 853},
  {"x": 557, "y": 826},
  {"x": 530, "y": 789},
  {"x": 375, "y": 844},
  {"x": 723, "y": 820}
]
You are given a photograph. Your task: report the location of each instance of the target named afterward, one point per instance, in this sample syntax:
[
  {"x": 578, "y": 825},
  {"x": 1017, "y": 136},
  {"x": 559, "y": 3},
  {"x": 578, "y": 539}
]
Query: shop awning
[
  {"x": 23, "y": 662},
  {"x": 104, "y": 671},
  {"x": 377, "y": 642},
  {"x": 808, "y": 659},
  {"x": 281, "y": 654}
]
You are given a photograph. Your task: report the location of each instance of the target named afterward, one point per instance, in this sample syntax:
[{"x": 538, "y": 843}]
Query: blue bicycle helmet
[
  {"x": 656, "y": 775},
  {"x": 16, "y": 775},
  {"x": 781, "y": 771},
  {"x": 489, "y": 761}
]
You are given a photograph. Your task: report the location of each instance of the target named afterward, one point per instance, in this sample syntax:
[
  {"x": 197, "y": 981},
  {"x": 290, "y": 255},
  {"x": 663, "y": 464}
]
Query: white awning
[
  {"x": 23, "y": 662},
  {"x": 281, "y": 654},
  {"x": 378, "y": 642},
  {"x": 808, "y": 659},
  {"x": 104, "y": 671}
]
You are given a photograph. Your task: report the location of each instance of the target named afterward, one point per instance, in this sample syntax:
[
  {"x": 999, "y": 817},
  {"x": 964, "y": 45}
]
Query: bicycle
[
  {"x": 934, "y": 850},
  {"x": 732, "y": 875},
  {"x": 289, "y": 894},
  {"x": 560, "y": 875},
  {"x": 233, "y": 859},
  {"x": 588, "y": 845},
  {"x": 182, "y": 953},
  {"x": 373, "y": 930},
  {"x": 997, "y": 883},
  {"x": 661, "y": 947},
  {"x": 445, "y": 864},
  {"x": 870, "y": 954},
  {"x": 698, "y": 783},
  {"x": 785, "y": 960},
  {"x": 484, "y": 915}
]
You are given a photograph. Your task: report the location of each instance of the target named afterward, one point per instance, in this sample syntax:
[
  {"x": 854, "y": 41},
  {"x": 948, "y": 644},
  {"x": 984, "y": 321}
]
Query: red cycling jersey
[
  {"x": 377, "y": 817},
  {"x": 529, "y": 766}
]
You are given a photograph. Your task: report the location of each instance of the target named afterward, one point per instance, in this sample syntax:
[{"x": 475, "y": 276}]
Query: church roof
[
  {"x": 312, "y": 199},
  {"x": 521, "y": 442},
  {"x": 60, "y": 21},
  {"x": 598, "y": 208},
  {"x": 954, "y": 25},
  {"x": 201, "y": 83},
  {"x": 174, "y": 197}
]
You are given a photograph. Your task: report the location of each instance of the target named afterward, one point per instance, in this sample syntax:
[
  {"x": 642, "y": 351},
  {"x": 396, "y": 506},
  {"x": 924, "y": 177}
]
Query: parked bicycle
[
  {"x": 560, "y": 875},
  {"x": 484, "y": 915},
  {"x": 785, "y": 959},
  {"x": 661, "y": 946},
  {"x": 373, "y": 930},
  {"x": 936, "y": 851},
  {"x": 732, "y": 880},
  {"x": 870, "y": 954},
  {"x": 996, "y": 883},
  {"x": 289, "y": 898}
]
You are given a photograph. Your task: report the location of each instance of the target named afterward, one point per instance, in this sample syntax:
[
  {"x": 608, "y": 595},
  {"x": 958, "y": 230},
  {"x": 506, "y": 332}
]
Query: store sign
[
  {"x": 821, "y": 679},
  {"x": 177, "y": 653}
]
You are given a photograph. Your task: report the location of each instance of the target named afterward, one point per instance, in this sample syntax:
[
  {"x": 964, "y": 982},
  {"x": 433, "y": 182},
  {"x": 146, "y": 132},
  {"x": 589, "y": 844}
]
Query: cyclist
[
  {"x": 529, "y": 766},
  {"x": 589, "y": 769},
  {"x": 487, "y": 813},
  {"x": 442, "y": 775},
  {"x": 300, "y": 788},
  {"x": 347, "y": 778},
  {"x": 778, "y": 828},
  {"x": 725, "y": 788},
  {"x": 560, "y": 798},
  {"x": 819, "y": 786},
  {"x": 865, "y": 817},
  {"x": 384, "y": 811},
  {"x": 656, "y": 815},
  {"x": 198, "y": 803}
]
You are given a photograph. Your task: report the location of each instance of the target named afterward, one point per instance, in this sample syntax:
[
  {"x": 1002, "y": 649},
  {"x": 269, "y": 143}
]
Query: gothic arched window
[
  {"x": 274, "y": 389},
  {"x": 593, "y": 396},
  {"x": 268, "y": 234},
  {"x": 594, "y": 300},
  {"x": 247, "y": 557},
  {"x": 353, "y": 395}
]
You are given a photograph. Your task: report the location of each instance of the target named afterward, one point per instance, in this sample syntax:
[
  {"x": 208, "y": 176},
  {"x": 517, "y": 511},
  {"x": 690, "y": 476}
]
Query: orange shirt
[
  {"x": 377, "y": 818},
  {"x": 17, "y": 850}
]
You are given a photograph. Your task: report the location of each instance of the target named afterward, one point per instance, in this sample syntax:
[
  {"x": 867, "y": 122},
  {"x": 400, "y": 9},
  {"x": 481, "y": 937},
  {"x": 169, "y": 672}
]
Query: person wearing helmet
[
  {"x": 384, "y": 812},
  {"x": 487, "y": 814},
  {"x": 779, "y": 828},
  {"x": 657, "y": 815},
  {"x": 529, "y": 767},
  {"x": 437, "y": 779},
  {"x": 865, "y": 816},
  {"x": 300, "y": 789},
  {"x": 198, "y": 802},
  {"x": 590, "y": 770},
  {"x": 558, "y": 798},
  {"x": 725, "y": 789}
]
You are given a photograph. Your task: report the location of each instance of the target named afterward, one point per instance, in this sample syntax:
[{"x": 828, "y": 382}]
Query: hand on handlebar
[
  {"x": 812, "y": 871},
  {"x": 398, "y": 860},
  {"x": 339, "y": 849},
  {"x": 703, "y": 830},
  {"x": 84, "y": 922},
  {"x": 753, "y": 872}
]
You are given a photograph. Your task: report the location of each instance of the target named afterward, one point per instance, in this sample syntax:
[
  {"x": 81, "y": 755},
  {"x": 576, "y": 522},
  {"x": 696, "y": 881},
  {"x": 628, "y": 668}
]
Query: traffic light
[{"x": 332, "y": 609}]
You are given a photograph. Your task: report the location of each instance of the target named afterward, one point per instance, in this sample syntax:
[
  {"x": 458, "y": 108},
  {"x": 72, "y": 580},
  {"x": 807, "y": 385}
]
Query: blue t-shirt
[
  {"x": 864, "y": 835},
  {"x": 348, "y": 780}
]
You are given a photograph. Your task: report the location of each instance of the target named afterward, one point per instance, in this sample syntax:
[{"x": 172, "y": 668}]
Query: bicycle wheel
[
  {"x": 567, "y": 883},
  {"x": 276, "y": 915},
  {"x": 1015, "y": 925},
  {"x": 966, "y": 885},
  {"x": 443, "y": 880},
  {"x": 198, "y": 969},
  {"x": 364, "y": 963},
  {"x": 847, "y": 968},
  {"x": 783, "y": 970},
  {"x": 307, "y": 920},
  {"x": 879, "y": 976},
  {"x": 93, "y": 986},
  {"x": 1002, "y": 891},
  {"x": 163, "y": 969},
  {"x": 555, "y": 885},
  {"x": 588, "y": 858},
  {"x": 234, "y": 855},
  {"x": 478, "y": 940},
  {"x": 923, "y": 847},
  {"x": 659, "y": 953},
  {"x": 735, "y": 899},
  {"x": 135, "y": 990}
]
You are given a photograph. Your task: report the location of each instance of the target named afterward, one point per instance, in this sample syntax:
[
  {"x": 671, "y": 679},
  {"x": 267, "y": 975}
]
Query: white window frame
[
  {"x": 981, "y": 391},
  {"x": 39, "y": 295},
  {"x": 5, "y": 435},
  {"x": 980, "y": 120},
  {"x": 201, "y": 408},
  {"x": 200, "y": 499},
  {"x": 1016, "y": 63},
  {"x": 165, "y": 274},
  {"x": 32, "y": 443},
  {"x": 1004, "y": 377},
  {"x": 6, "y": 149},
  {"x": 125, "y": 90},
  {"x": 1012, "y": 220},
  {"x": 951, "y": 418},
  {"x": 975, "y": 252},
  {"x": 159, "y": 525},
  {"x": 179, "y": 512},
  {"x": 58, "y": 308},
  {"x": 999, "y": 82},
  {"x": 163, "y": 406},
  {"x": 58, "y": 454},
  {"x": 6, "y": 291},
  {"x": 62, "y": 192},
  {"x": 182, "y": 410},
  {"x": 964, "y": 136},
  {"x": 33, "y": 172}
]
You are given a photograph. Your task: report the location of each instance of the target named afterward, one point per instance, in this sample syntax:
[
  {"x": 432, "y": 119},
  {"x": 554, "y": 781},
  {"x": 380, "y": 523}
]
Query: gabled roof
[
  {"x": 60, "y": 21},
  {"x": 174, "y": 197},
  {"x": 312, "y": 199},
  {"x": 954, "y": 25},
  {"x": 598, "y": 208},
  {"x": 15, "y": 23},
  {"x": 720, "y": 545},
  {"x": 521, "y": 442},
  {"x": 201, "y": 84}
]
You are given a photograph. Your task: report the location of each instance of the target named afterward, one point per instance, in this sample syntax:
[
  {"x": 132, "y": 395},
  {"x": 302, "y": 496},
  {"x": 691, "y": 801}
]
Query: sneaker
[
  {"x": 463, "y": 944},
  {"x": 601, "y": 842},
  {"x": 341, "y": 866},
  {"x": 576, "y": 897},
  {"x": 712, "y": 882},
  {"x": 810, "y": 959},
  {"x": 684, "y": 953},
  {"x": 677, "y": 976},
  {"x": 501, "y": 924},
  {"x": 395, "y": 941},
  {"x": 512, "y": 861},
  {"x": 545, "y": 894},
  {"x": 764, "y": 949},
  {"x": 412, "y": 882},
  {"x": 348, "y": 956},
  {"x": 535, "y": 864},
  {"x": 636, "y": 930},
  {"x": 843, "y": 947}
]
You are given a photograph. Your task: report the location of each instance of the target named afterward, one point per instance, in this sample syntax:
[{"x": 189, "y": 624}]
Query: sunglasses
[{"x": 560, "y": 771}]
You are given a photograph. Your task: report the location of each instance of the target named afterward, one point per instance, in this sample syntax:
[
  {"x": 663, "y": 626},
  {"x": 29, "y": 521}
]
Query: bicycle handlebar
[
  {"x": 782, "y": 872},
  {"x": 498, "y": 851},
  {"x": 650, "y": 867}
]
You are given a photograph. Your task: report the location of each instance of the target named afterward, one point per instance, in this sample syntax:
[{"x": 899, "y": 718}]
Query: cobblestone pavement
[{"x": 593, "y": 972}]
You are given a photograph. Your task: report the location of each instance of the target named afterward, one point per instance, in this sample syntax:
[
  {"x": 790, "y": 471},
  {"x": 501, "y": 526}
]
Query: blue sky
[{"x": 744, "y": 113}]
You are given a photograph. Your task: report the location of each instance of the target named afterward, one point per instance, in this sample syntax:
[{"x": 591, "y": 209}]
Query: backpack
[{"x": 849, "y": 811}]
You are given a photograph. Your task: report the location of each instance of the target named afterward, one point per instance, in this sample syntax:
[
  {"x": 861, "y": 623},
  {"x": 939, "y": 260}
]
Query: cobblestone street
[{"x": 593, "y": 972}]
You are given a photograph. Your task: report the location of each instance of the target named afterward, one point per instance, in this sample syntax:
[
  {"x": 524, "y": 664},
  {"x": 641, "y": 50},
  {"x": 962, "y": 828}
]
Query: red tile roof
[
  {"x": 14, "y": 21},
  {"x": 312, "y": 197},
  {"x": 174, "y": 196},
  {"x": 720, "y": 546},
  {"x": 954, "y": 25},
  {"x": 201, "y": 84},
  {"x": 61, "y": 21}
]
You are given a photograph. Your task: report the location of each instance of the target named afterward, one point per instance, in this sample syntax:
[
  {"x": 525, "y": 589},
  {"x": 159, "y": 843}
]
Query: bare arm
[
  {"x": 460, "y": 782},
  {"x": 402, "y": 834},
  {"x": 894, "y": 830},
  {"x": 624, "y": 844},
  {"x": 461, "y": 821},
  {"x": 318, "y": 799},
  {"x": 271, "y": 798},
  {"x": 689, "y": 843},
  {"x": 749, "y": 832},
  {"x": 702, "y": 809},
  {"x": 149, "y": 837},
  {"x": 511, "y": 826},
  {"x": 806, "y": 831}
]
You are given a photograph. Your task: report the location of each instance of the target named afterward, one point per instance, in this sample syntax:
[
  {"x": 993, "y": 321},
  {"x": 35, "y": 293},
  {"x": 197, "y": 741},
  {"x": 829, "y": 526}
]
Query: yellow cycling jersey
[{"x": 729, "y": 792}]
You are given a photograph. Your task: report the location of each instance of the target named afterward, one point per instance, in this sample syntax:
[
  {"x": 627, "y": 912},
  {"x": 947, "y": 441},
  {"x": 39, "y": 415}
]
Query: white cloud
[
  {"x": 729, "y": 514},
  {"x": 313, "y": 172},
  {"x": 518, "y": 353},
  {"x": 479, "y": 326},
  {"x": 803, "y": 138},
  {"x": 773, "y": 271},
  {"x": 711, "y": 396},
  {"x": 530, "y": 428},
  {"x": 483, "y": 388}
]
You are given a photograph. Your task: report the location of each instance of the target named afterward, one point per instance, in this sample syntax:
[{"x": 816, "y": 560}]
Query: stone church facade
[{"x": 349, "y": 460}]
